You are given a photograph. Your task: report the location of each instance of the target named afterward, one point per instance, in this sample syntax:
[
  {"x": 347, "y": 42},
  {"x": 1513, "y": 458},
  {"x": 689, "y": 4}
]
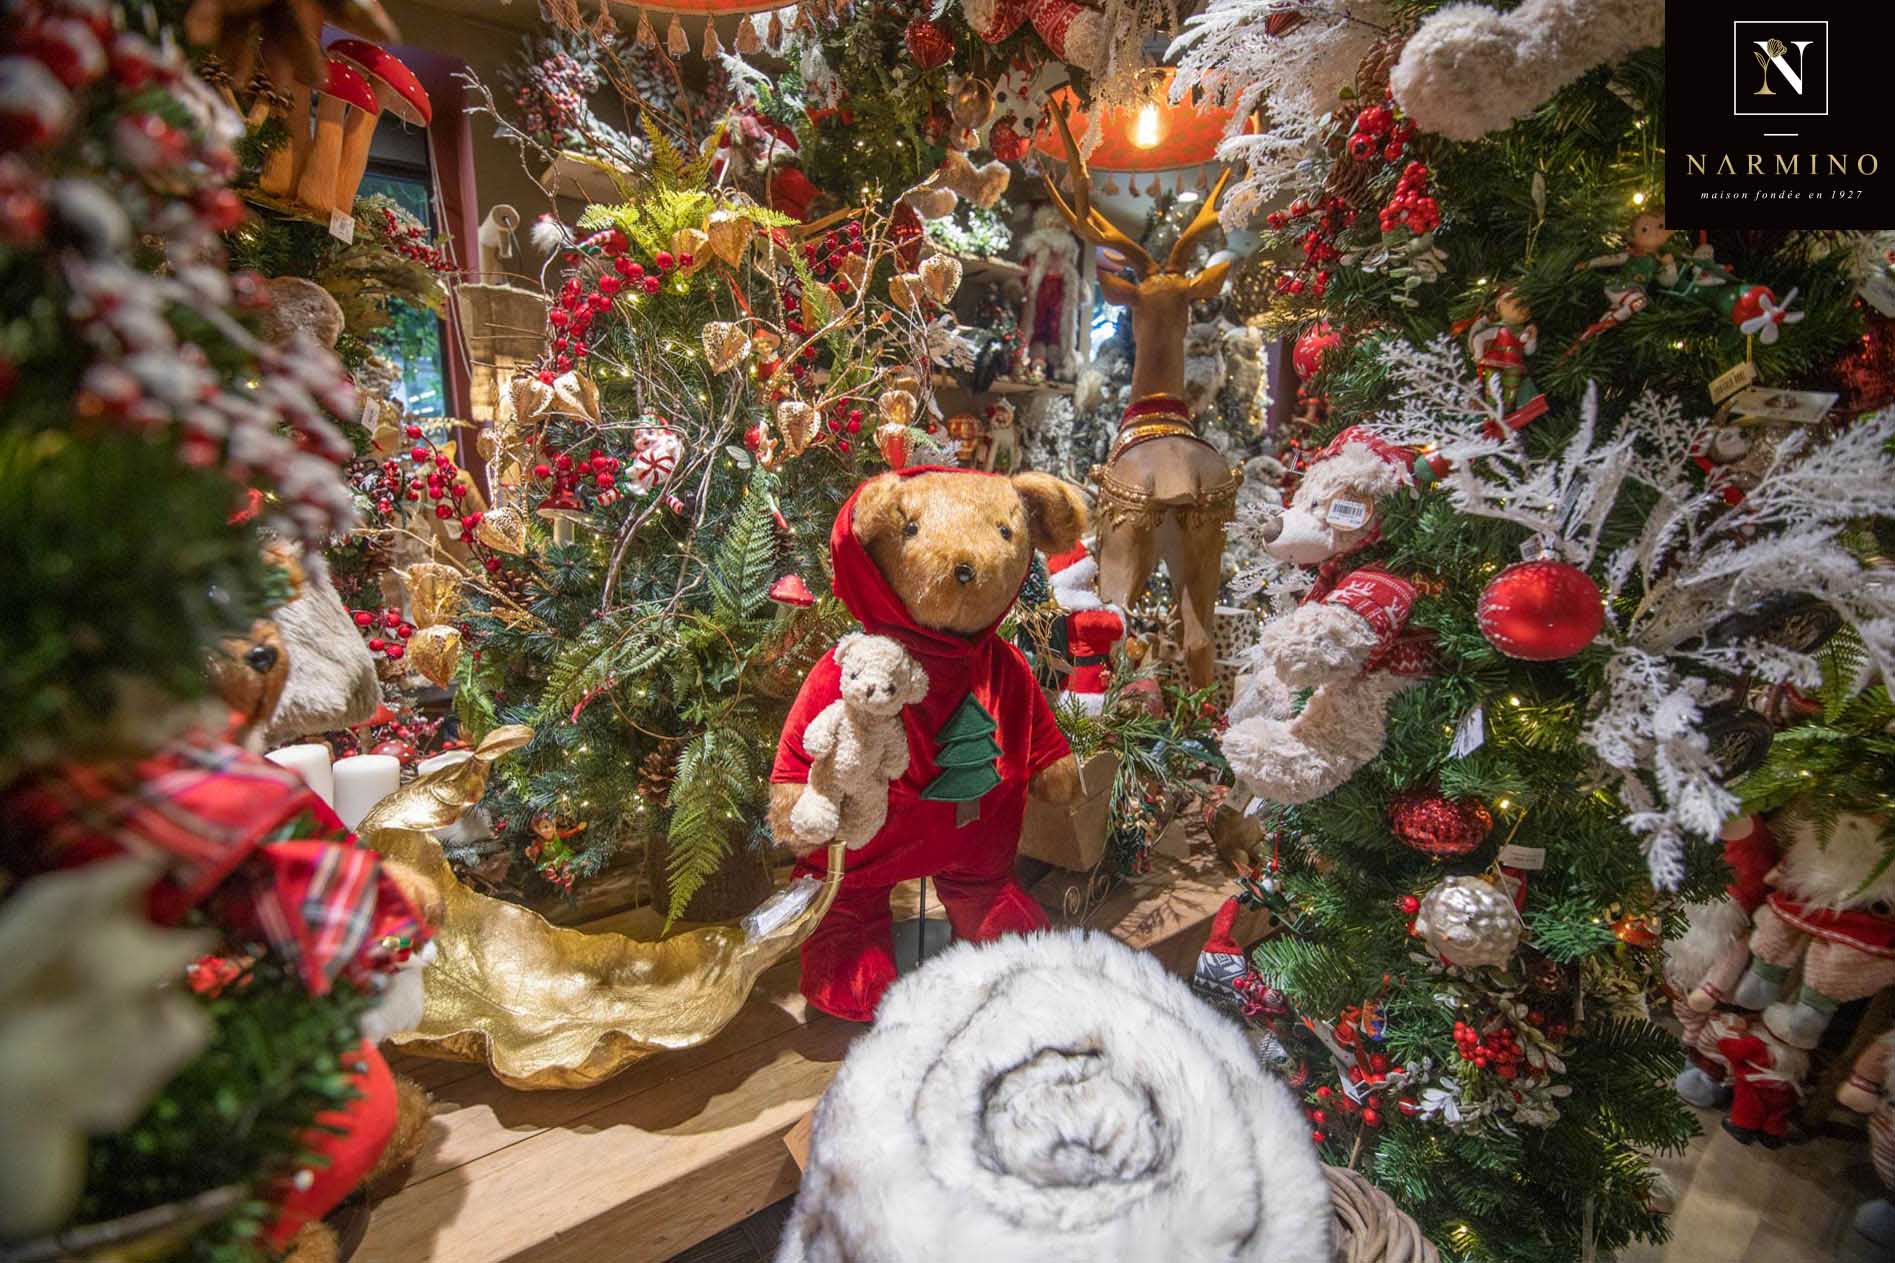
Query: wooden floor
[
  {"x": 1747, "y": 1204},
  {"x": 686, "y": 1145}
]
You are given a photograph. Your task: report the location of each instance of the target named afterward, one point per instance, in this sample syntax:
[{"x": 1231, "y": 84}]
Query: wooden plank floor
[
  {"x": 1747, "y": 1204},
  {"x": 684, "y": 1145}
]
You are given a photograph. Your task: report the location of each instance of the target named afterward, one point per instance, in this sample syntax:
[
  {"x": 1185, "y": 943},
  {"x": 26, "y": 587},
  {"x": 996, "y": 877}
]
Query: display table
[{"x": 681, "y": 1146}]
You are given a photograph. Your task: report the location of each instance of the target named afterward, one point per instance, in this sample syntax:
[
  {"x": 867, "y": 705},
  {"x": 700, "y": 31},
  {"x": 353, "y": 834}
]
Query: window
[{"x": 414, "y": 341}]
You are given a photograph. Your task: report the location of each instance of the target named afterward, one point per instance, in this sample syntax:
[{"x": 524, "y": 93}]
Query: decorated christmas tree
[
  {"x": 1525, "y": 600},
  {"x": 191, "y": 938}
]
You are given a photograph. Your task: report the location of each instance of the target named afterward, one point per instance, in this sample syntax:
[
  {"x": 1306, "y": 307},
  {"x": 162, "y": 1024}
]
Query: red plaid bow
[{"x": 222, "y": 820}]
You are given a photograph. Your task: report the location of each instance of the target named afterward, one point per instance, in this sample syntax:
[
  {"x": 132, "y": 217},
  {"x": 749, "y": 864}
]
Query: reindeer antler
[
  {"x": 1088, "y": 222},
  {"x": 1200, "y": 224}
]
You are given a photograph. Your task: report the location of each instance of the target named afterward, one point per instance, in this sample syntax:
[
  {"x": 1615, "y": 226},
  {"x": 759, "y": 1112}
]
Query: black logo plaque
[{"x": 1776, "y": 114}]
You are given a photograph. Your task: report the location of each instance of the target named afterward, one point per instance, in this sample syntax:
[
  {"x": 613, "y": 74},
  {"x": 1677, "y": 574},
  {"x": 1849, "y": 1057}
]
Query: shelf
[
  {"x": 582, "y": 179},
  {"x": 685, "y": 1144},
  {"x": 1002, "y": 386}
]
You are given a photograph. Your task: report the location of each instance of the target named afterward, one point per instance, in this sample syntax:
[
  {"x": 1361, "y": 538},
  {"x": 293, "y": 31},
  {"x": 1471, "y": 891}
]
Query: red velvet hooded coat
[{"x": 973, "y": 861}]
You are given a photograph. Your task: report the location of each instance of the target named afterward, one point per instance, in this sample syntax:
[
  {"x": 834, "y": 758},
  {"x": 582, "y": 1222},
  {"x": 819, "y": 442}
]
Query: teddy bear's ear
[
  {"x": 846, "y": 646},
  {"x": 1055, "y": 511},
  {"x": 914, "y": 681},
  {"x": 877, "y": 509}
]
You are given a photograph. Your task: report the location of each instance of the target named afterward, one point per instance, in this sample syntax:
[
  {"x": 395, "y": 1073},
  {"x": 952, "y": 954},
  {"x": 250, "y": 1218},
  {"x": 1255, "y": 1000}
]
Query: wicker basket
[{"x": 1370, "y": 1228}]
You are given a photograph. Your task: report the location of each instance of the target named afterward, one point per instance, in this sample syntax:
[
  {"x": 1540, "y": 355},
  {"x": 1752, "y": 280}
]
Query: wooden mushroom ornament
[
  {"x": 344, "y": 93},
  {"x": 397, "y": 91}
]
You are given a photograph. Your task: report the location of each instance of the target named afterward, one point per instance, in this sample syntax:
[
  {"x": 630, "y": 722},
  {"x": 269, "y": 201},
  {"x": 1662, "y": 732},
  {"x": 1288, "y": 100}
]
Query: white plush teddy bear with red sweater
[{"x": 1345, "y": 641}]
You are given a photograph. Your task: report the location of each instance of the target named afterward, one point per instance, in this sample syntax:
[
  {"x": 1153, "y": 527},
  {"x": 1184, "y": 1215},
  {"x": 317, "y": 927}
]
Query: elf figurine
[
  {"x": 1500, "y": 344},
  {"x": 1091, "y": 629},
  {"x": 1648, "y": 260},
  {"x": 1766, "y": 1080}
]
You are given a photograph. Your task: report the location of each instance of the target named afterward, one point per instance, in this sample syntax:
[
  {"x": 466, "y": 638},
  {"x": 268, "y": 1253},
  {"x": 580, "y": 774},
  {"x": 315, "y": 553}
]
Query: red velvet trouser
[
  {"x": 850, "y": 960},
  {"x": 1762, "y": 1105}
]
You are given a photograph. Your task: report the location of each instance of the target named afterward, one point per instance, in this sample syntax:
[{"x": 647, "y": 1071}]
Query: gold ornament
[
  {"x": 728, "y": 233},
  {"x": 940, "y": 277},
  {"x": 547, "y": 1006},
  {"x": 903, "y": 378},
  {"x": 972, "y": 103},
  {"x": 1470, "y": 922},
  {"x": 854, "y": 268},
  {"x": 485, "y": 446},
  {"x": 724, "y": 345},
  {"x": 892, "y": 440},
  {"x": 688, "y": 245},
  {"x": 905, "y": 290},
  {"x": 503, "y": 529},
  {"x": 897, "y": 407},
  {"x": 799, "y": 423},
  {"x": 436, "y": 651},
  {"x": 765, "y": 341},
  {"x": 434, "y": 592},
  {"x": 820, "y": 306},
  {"x": 531, "y": 399}
]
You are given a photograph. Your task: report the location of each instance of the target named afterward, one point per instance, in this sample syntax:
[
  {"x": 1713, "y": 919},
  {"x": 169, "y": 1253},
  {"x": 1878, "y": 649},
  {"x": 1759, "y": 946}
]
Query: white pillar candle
[
  {"x": 311, "y": 762},
  {"x": 363, "y": 780}
]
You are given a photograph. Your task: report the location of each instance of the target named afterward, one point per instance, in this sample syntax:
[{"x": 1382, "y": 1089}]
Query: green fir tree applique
[{"x": 966, "y": 755}]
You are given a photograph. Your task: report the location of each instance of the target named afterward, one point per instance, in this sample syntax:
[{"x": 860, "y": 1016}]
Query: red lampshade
[{"x": 1187, "y": 134}]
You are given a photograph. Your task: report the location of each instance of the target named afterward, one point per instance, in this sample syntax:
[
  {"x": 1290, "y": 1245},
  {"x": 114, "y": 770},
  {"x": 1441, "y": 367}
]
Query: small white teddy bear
[{"x": 857, "y": 744}]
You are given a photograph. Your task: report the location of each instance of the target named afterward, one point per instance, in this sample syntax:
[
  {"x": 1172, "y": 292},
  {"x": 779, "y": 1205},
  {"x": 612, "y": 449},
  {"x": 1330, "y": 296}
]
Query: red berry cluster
[
  {"x": 552, "y": 95},
  {"x": 1320, "y": 226},
  {"x": 824, "y": 257},
  {"x": 843, "y": 419},
  {"x": 385, "y": 631},
  {"x": 410, "y": 241},
  {"x": 434, "y": 475},
  {"x": 1411, "y": 207},
  {"x": 568, "y": 475},
  {"x": 580, "y": 304},
  {"x": 1497, "y": 1050},
  {"x": 1378, "y": 130}
]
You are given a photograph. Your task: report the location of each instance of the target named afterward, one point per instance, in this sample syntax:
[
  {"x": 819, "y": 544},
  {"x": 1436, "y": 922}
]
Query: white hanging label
[
  {"x": 1878, "y": 291},
  {"x": 342, "y": 227},
  {"x": 1346, "y": 514},
  {"x": 1470, "y": 734},
  {"x": 1529, "y": 859},
  {"x": 371, "y": 410}
]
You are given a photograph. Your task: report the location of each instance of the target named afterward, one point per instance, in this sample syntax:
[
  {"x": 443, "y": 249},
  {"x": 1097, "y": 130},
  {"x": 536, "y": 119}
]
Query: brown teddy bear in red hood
[{"x": 933, "y": 558}]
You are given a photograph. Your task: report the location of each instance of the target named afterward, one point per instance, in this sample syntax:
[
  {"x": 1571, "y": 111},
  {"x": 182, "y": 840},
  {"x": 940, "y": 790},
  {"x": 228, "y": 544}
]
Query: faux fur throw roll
[{"x": 1053, "y": 1098}]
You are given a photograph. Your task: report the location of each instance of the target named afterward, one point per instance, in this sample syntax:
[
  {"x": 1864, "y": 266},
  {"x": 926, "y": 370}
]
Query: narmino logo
[{"x": 1780, "y": 68}]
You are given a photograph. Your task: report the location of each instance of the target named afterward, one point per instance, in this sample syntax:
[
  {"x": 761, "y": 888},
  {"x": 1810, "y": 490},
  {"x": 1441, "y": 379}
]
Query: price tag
[
  {"x": 1732, "y": 380},
  {"x": 371, "y": 410},
  {"x": 342, "y": 227},
  {"x": 1878, "y": 291},
  {"x": 1529, "y": 859},
  {"x": 1533, "y": 547},
  {"x": 1346, "y": 514}
]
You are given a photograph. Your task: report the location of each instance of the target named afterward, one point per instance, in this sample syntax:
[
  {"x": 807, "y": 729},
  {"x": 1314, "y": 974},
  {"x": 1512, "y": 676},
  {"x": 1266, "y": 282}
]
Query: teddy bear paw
[{"x": 1318, "y": 644}]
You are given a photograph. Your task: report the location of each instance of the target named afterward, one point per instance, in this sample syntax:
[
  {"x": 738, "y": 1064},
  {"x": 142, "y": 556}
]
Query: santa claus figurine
[
  {"x": 1050, "y": 317},
  {"x": 1766, "y": 1080},
  {"x": 1091, "y": 628},
  {"x": 1702, "y": 966}
]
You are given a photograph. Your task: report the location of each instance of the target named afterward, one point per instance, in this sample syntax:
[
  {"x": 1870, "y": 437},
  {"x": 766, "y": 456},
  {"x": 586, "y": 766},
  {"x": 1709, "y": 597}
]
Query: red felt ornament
[
  {"x": 928, "y": 43},
  {"x": 1541, "y": 610},
  {"x": 1439, "y": 826}
]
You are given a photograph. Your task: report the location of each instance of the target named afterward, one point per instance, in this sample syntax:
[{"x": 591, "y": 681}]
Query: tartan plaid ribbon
[{"x": 226, "y": 822}]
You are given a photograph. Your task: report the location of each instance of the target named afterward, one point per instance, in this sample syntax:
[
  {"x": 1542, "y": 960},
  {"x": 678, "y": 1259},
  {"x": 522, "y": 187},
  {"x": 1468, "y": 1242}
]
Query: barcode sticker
[
  {"x": 1347, "y": 514},
  {"x": 342, "y": 227}
]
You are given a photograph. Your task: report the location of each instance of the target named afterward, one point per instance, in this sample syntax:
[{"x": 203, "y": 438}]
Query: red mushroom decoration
[
  {"x": 791, "y": 590},
  {"x": 345, "y": 90},
  {"x": 396, "y": 90}
]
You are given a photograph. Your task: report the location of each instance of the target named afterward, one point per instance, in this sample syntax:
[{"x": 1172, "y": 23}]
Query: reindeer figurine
[{"x": 1163, "y": 492}]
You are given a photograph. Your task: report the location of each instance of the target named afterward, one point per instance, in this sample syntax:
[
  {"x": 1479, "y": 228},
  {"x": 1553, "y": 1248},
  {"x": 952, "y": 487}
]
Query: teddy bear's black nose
[
  {"x": 261, "y": 659},
  {"x": 963, "y": 573}
]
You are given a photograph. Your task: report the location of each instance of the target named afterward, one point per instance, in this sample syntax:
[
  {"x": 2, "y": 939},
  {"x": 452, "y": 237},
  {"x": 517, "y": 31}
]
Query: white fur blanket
[{"x": 1056, "y": 1098}]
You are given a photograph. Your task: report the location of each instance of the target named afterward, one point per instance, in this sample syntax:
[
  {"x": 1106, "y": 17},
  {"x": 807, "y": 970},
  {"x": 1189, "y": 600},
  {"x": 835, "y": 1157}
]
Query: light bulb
[{"x": 1146, "y": 129}]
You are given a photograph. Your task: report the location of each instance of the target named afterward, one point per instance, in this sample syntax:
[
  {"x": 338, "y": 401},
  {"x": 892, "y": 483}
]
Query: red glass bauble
[
  {"x": 1541, "y": 611},
  {"x": 1306, "y": 355},
  {"x": 928, "y": 43},
  {"x": 1439, "y": 826}
]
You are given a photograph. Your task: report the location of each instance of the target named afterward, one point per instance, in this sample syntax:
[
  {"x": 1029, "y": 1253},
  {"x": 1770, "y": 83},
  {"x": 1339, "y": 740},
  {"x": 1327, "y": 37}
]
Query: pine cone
[{"x": 658, "y": 769}]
